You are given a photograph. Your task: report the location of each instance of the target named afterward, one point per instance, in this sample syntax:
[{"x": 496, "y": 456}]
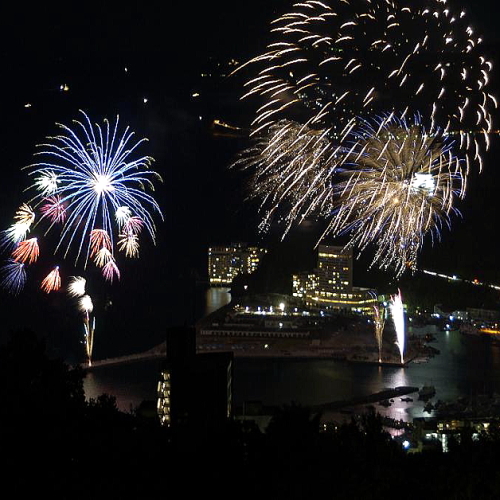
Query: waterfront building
[
  {"x": 484, "y": 315},
  {"x": 194, "y": 389},
  {"x": 273, "y": 331},
  {"x": 436, "y": 433},
  {"x": 334, "y": 269},
  {"x": 227, "y": 262},
  {"x": 330, "y": 285}
]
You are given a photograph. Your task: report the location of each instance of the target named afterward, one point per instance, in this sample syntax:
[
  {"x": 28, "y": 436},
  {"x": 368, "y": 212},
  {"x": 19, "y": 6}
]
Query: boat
[
  {"x": 407, "y": 400},
  {"x": 426, "y": 392}
]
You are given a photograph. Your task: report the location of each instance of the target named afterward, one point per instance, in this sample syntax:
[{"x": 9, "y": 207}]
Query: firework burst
[
  {"x": 91, "y": 172},
  {"x": 92, "y": 188},
  {"x": 110, "y": 270},
  {"x": 329, "y": 69},
  {"x": 397, "y": 184},
  {"x": 129, "y": 243},
  {"x": 23, "y": 219},
  {"x": 53, "y": 209},
  {"x": 330, "y": 63}
]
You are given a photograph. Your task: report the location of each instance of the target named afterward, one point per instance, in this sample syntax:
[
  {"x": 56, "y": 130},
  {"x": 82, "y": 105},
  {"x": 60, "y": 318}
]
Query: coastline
[
  {"x": 306, "y": 335},
  {"x": 359, "y": 353}
]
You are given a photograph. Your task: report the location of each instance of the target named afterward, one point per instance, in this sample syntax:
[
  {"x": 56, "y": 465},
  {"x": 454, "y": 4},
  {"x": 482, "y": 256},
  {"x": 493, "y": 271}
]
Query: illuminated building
[
  {"x": 226, "y": 262},
  {"x": 194, "y": 389},
  {"x": 330, "y": 285},
  {"x": 437, "y": 433},
  {"x": 305, "y": 283},
  {"x": 334, "y": 269}
]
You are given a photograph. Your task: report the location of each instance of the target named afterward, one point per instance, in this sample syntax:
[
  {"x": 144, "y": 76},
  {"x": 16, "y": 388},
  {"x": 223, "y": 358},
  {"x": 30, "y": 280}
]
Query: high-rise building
[
  {"x": 227, "y": 262},
  {"x": 335, "y": 269},
  {"x": 330, "y": 285}
]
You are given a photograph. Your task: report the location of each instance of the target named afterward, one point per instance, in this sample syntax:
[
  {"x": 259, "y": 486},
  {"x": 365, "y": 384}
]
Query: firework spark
[
  {"x": 54, "y": 210},
  {"x": 398, "y": 183},
  {"x": 27, "y": 251},
  {"x": 52, "y": 282},
  {"x": 76, "y": 287},
  {"x": 13, "y": 276},
  {"x": 397, "y": 312},
  {"x": 379, "y": 322},
  {"x": 99, "y": 239},
  {"x": 291, "y": 171}
]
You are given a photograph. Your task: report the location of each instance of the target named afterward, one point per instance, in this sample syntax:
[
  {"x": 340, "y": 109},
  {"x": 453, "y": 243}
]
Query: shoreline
[{"x": 303, "y": 353}]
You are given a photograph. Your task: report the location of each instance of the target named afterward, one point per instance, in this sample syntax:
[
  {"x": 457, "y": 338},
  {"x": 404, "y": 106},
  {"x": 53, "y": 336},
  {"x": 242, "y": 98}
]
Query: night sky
[{"x": 165, "y": 50}]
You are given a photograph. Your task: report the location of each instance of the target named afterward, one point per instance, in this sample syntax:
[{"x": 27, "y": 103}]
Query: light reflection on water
[
  {"x": 465, "y": 366},
  {"x": 215, "y": 298}
]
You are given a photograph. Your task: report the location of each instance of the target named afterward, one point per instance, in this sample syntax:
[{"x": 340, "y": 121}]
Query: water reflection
[
  {"x": 398, "y": 377},
  {"x": 466, "y": 366},
  {"x": 215, "y": 298}
]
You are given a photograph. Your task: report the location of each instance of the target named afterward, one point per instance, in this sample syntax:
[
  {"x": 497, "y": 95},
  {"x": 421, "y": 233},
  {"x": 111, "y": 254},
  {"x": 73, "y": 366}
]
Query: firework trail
[
  {"x": 398, "y": 183},
  {"x": 77, "y": 288},
  {"x": 291, "y": 172},
  {"x": 91, "y": 187},
  {"x": 397, "y": 312},
  {"x": 86, "y": 307},
  {"x": 379, "y": 321}
]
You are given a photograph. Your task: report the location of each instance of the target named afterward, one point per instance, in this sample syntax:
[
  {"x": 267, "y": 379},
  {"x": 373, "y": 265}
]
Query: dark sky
[{"x": 165, "y": 49}]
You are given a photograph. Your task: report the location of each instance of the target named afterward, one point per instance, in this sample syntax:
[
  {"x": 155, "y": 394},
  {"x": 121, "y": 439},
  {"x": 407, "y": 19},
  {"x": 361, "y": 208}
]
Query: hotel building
[
  {"x": 330, "y": 285},
  {"x": 226, "y": 262}
]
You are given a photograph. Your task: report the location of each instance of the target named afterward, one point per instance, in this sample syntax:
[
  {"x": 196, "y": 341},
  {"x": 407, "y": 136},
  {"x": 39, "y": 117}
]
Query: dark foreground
[{"x": 57, "y": 444}]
